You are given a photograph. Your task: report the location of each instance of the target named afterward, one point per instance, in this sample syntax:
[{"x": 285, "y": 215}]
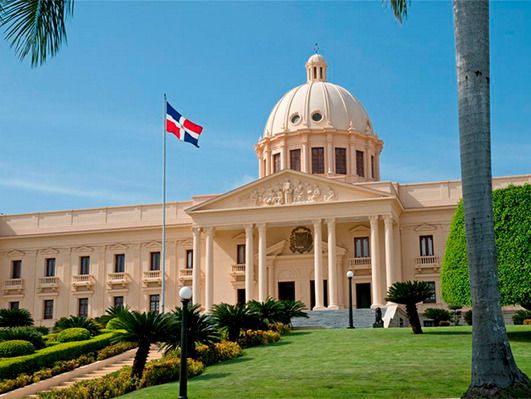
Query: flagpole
[{"x": 163, "y": 288}]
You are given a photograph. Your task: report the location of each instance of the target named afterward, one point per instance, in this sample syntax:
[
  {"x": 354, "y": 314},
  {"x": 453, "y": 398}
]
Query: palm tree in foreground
[
  {"x": 35, "y": 27},
  {"x": 144, "y": 329},
  {"x": 410, "y": 293},
  {"x": 494, "y": 370}
]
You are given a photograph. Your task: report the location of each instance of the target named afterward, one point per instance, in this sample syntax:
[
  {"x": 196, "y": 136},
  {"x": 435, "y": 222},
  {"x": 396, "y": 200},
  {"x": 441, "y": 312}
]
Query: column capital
[
  {"x": 317, "y": 222},
  {"x": 374, "y": 218},
  {"x": 330, "y": 221},
  {"x": 196, "y": 229},
  {"x": 209, "y": 230},
  {"x": 261, "y": 226},
  {"x": 388, "y": 219},
  {"x": 248, "y": 228}
]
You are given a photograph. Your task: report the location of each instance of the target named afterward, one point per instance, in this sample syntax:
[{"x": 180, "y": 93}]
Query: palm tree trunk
[
  {"x": 413, "y": 317},
  {"x": 493, "y": 367},
  {"x": 140, "y": 359}
]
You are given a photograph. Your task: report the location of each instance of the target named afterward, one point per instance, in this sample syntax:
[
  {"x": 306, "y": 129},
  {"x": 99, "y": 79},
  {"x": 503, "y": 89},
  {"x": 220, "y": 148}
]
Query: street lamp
[
  {"x": 186, "y": 294},
  {"x": 350, "y": 274}
]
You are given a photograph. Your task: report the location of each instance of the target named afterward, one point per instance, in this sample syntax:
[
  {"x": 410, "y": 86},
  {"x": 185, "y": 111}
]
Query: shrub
[
  {"x": 410, "y": 293},
  {"x": 73, "y": 334},
  {"x": 113, "y": 324},
  {"x": 279, "y": 327},
  {"x": 269, "y": 311},
  {"x": 437, "y": 315},
  {"x": 30, "y": 334},
  {"x": 167, "y": 370},
  {"x": 520, "y": 316},
  {"x": 10, "y": 368},
  {"x": 527, "y": 322},
  {"x": 291, "y": 309},
  {"x": 512, "y": 218},
  {"x": 232, "y": 319},
  {"x": 16, "y": 347},
  {"x": 219, "y": 352},
  {"x": 15, "y": 318},
  {"x": 115, "y": 349},
  {"x": 468, "y": 317},
  {"x": 76, "y": 321},
  {"x": 43, "y": 330},
  {"x": 251, "y": 338}
]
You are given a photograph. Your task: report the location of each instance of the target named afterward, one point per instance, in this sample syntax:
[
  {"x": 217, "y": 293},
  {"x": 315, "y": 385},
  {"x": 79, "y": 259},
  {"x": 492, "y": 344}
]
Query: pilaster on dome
[{"x": 316, "y": 68}]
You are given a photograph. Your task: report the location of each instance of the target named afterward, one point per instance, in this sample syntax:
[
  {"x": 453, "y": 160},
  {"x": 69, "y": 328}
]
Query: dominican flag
[{"x": 184, "y": 129}]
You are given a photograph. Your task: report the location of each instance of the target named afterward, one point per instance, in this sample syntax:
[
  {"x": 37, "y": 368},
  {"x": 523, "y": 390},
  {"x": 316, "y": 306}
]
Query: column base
[
  {"x": 319, "y": 308},
  {"x": 377, "y": 305},
  {"x": 332, "y": 307}
]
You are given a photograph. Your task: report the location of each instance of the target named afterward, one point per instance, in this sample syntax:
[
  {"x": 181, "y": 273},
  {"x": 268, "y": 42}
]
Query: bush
[
  {"x": 438, "y": 316},
  {"x": 527, "y": 322},
  {"x": 520, "y": 316},
  {"x": 167, "y": 370},
  {"x": 76, "y": 321},
  {"x": 444, "y": 323},
  {"x": 30, "y": 334},
  {"x": 11, "y": 368},
  {"x": 512, "y": 218},
  {"x": 115, "y": 349},
  {"x": 251, "y": 338},
  {"x": 218, "y": 352},
  {"x": 15, "y": 318},
  {"x": 468, "y": 317},
  {"x": 113, "y": 324},
  {"x": 16, "y": 347},
  {"x": 43, "y": 330},
  {"x": 280, "y": 328},
  {"x": 73, "y": 334}
]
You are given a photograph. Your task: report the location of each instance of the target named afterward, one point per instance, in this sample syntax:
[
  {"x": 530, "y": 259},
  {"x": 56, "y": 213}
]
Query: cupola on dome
[{"x": 317, "y": 105}]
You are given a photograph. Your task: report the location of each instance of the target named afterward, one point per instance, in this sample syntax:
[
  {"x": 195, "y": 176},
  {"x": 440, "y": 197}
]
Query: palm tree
[
  {"x": 269, "y": 311},
  {"x": 201, "y": 330},
  {"x": 494, "y": 370},
  {"x": 410, "y": 293},
  {"x": 291, "y": 309},
  {"x": 77, "y": 321},
  {"x": 15, "y": 318},
  {"x": 144, "y": 329},
  {"x": 35, "y": 27},
  {"x": 234, "y": 318}
]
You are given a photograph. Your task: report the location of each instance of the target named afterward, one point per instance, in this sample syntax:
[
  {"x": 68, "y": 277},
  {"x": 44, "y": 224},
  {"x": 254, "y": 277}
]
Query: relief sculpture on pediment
[{"x": 289, "y": 192}]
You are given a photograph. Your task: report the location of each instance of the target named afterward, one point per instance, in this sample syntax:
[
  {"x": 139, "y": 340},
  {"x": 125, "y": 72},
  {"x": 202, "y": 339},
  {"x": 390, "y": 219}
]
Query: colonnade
[{"x": 378, "y": 289}]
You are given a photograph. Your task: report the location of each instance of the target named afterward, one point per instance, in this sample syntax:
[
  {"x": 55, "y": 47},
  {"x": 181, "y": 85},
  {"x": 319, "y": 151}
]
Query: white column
[
  {"x": 329, "y": 155},
  {"x": 305, "y": 155},
  {"x": 249, "y": 262},
  {"x": 267, "y": 161},
  {"x": 284, "y": 156},
  {"x": 376, "y": 276},
  {"x": 318, "y": 264},
  {"x": 262, "y": 270},
  {"x": 332, "y": 265},
  {"x": 209, "y": 270},
  {"x": 389, "y": 251},
  {"x": 196, "y": 264}
]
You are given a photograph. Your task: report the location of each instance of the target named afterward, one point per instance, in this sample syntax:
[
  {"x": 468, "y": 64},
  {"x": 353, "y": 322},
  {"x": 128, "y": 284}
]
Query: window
[
  {"x": 50, "y": 267},
  {"x": 84, "y": 265},
  {"x": 316, "y": 117},
  {"x": 14, "y": 305},
  {"x": 276, "y": 162},
  {"x": 317, "y": 160},
  {"x": 189, "y": 259},
  {"x": 426, "y": 245},
  {"x": 373, "y": 174},
  {"x": 240, "y": 296},
  {"x": 295, "y": 160},
  {"x": 361, "y": 247},
  {"x": 433, "y": 298},
  {"x": 341, "y": 161},
  {"x": 360, "y": 167},
  {"x": 240, "y": 254},
  {"x": 16, "y": 269},
  {"x": 154, "y": 301},
  {"x": 118, "y": 301},
  {"x": 119, "y": 263},
  {"x": 295, "y": 119},
  {"x": 82, "y": 307},
  {"x": 154, "y": 263},
  {"x": 47, "y": 313}
]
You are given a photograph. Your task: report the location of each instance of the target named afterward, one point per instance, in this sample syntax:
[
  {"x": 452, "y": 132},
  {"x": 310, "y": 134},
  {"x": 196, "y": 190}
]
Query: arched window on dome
[
  {"x": 321, "y": 73},
  {"x": 315, "y": 72}
]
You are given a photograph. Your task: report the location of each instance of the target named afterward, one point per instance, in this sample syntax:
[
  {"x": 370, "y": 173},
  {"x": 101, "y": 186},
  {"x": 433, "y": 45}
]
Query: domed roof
[{"x": 317, "y": 104}]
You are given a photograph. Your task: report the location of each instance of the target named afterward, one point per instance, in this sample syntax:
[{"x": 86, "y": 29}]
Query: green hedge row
[{"x": 12, "y": 367}]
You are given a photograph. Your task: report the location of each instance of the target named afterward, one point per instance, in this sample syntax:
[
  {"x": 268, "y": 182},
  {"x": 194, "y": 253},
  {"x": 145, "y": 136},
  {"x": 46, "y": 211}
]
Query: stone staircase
[{"x": 363, "y": 318}]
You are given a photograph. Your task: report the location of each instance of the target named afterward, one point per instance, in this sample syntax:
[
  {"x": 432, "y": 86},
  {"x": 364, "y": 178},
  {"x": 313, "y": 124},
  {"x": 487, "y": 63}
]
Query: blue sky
[{"x": 85, "y": 129}]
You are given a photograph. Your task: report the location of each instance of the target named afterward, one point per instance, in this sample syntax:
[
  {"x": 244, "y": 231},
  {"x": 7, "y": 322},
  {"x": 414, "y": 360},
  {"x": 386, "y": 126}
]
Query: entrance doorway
[
  {"x": 240, "y": 296},
  {"x": 286, "y": 290},
  {"x": 312, "y": 293},
  {"x": 363, "y": 295}
]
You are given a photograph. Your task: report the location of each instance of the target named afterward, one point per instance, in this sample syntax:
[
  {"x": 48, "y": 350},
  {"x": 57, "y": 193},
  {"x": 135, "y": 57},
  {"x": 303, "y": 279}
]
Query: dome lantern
[{"x": 316, "y": 68}]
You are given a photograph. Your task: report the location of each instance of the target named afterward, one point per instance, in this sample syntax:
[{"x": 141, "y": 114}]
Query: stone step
[{"x": 363, "y": 318}]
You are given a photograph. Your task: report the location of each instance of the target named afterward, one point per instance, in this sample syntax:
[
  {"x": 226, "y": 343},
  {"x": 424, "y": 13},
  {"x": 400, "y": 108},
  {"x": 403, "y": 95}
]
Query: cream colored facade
[{"x": 272, "y": 237}]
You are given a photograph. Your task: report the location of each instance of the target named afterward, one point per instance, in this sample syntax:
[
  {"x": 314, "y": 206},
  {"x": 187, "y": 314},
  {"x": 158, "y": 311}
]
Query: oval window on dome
[
  {"x": 295, "y": 119},
  {"x": 316, "y": 116}
]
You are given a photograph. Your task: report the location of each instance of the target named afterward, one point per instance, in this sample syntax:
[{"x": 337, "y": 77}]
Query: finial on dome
[
  {"x": 316, "y": 67},
  {"x": 316, "y": 48}
]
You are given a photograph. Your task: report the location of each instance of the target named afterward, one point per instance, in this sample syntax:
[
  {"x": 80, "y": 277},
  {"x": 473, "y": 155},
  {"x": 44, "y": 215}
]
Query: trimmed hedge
[
  {"x": 512, "y": 218},
  {"x": 219, "y": 352},
  {"x": 16, "y": 347},
  {"x": 30, "y": 334},
  {"x": 10, "y": 368},
  {"x": 73, "y": 334}
]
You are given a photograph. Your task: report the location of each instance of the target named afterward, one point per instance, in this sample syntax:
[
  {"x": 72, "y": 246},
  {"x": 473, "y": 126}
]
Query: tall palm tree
[
  {"x": 144, "y": 329},
  {"x": 494, "y": 371},
  {"x": 35, "y": 27},
  {"x": 410, "y": 293}
]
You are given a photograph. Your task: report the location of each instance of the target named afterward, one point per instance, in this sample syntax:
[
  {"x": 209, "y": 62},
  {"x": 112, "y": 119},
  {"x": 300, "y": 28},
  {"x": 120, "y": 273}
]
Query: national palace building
[{"x": 317, "y": 210}]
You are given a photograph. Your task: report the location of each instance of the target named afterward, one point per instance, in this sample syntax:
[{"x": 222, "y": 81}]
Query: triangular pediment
[
  {"x": 118, "y": 247},
  {"x": 15, "y": 253},
  {"x": 152, "y": 245},
  {"x": 84, "y": 249},
  {"x": 49, "y": 251},
  {"x": 288, "y": 188},
  {"x": 281, "y": 248},
  {"x": 425, "y": 227}
]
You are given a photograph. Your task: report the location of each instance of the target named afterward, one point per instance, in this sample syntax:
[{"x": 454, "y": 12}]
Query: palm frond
[
  {"x": 35, "y": 27},
  {"x": 400, "y": 9}
]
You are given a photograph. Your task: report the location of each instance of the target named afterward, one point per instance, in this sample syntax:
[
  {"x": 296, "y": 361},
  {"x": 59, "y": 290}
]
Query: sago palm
[
  {"x": 231, "y": 319},
  {"x": 15, "y": 318},
  {"x": 291, "y": 309},
  {"x": 76, "y": 321},
  {"x": 144, "y": 329},
  {"x": 269, "y": 311},
  {"x": 410, "y": 293}
]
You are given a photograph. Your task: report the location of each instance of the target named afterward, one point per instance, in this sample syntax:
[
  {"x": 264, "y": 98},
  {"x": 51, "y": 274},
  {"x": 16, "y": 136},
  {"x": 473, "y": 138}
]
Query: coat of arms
[{"x": 301, "y": 240}]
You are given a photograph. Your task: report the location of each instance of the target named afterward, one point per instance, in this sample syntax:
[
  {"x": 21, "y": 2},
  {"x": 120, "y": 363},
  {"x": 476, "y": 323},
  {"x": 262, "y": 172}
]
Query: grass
[{"x": 362, "y": 363}]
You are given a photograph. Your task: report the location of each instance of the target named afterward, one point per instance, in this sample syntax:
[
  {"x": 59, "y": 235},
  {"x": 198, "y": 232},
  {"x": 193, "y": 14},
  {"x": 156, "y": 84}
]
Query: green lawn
[{"x": 364, "y": 363}]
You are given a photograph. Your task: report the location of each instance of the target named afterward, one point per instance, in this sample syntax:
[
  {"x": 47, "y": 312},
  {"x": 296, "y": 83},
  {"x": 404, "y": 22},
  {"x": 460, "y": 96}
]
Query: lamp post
[
  {"x": 350, "y": 274},
  {"x": 186, "y": 294}
]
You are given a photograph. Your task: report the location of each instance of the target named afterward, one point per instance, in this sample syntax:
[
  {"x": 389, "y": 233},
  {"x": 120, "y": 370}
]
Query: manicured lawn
[{"x": 364, "y": 363}]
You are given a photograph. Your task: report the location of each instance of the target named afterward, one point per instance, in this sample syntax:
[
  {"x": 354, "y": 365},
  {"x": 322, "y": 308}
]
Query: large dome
[{"x": 317, "y": 105}]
